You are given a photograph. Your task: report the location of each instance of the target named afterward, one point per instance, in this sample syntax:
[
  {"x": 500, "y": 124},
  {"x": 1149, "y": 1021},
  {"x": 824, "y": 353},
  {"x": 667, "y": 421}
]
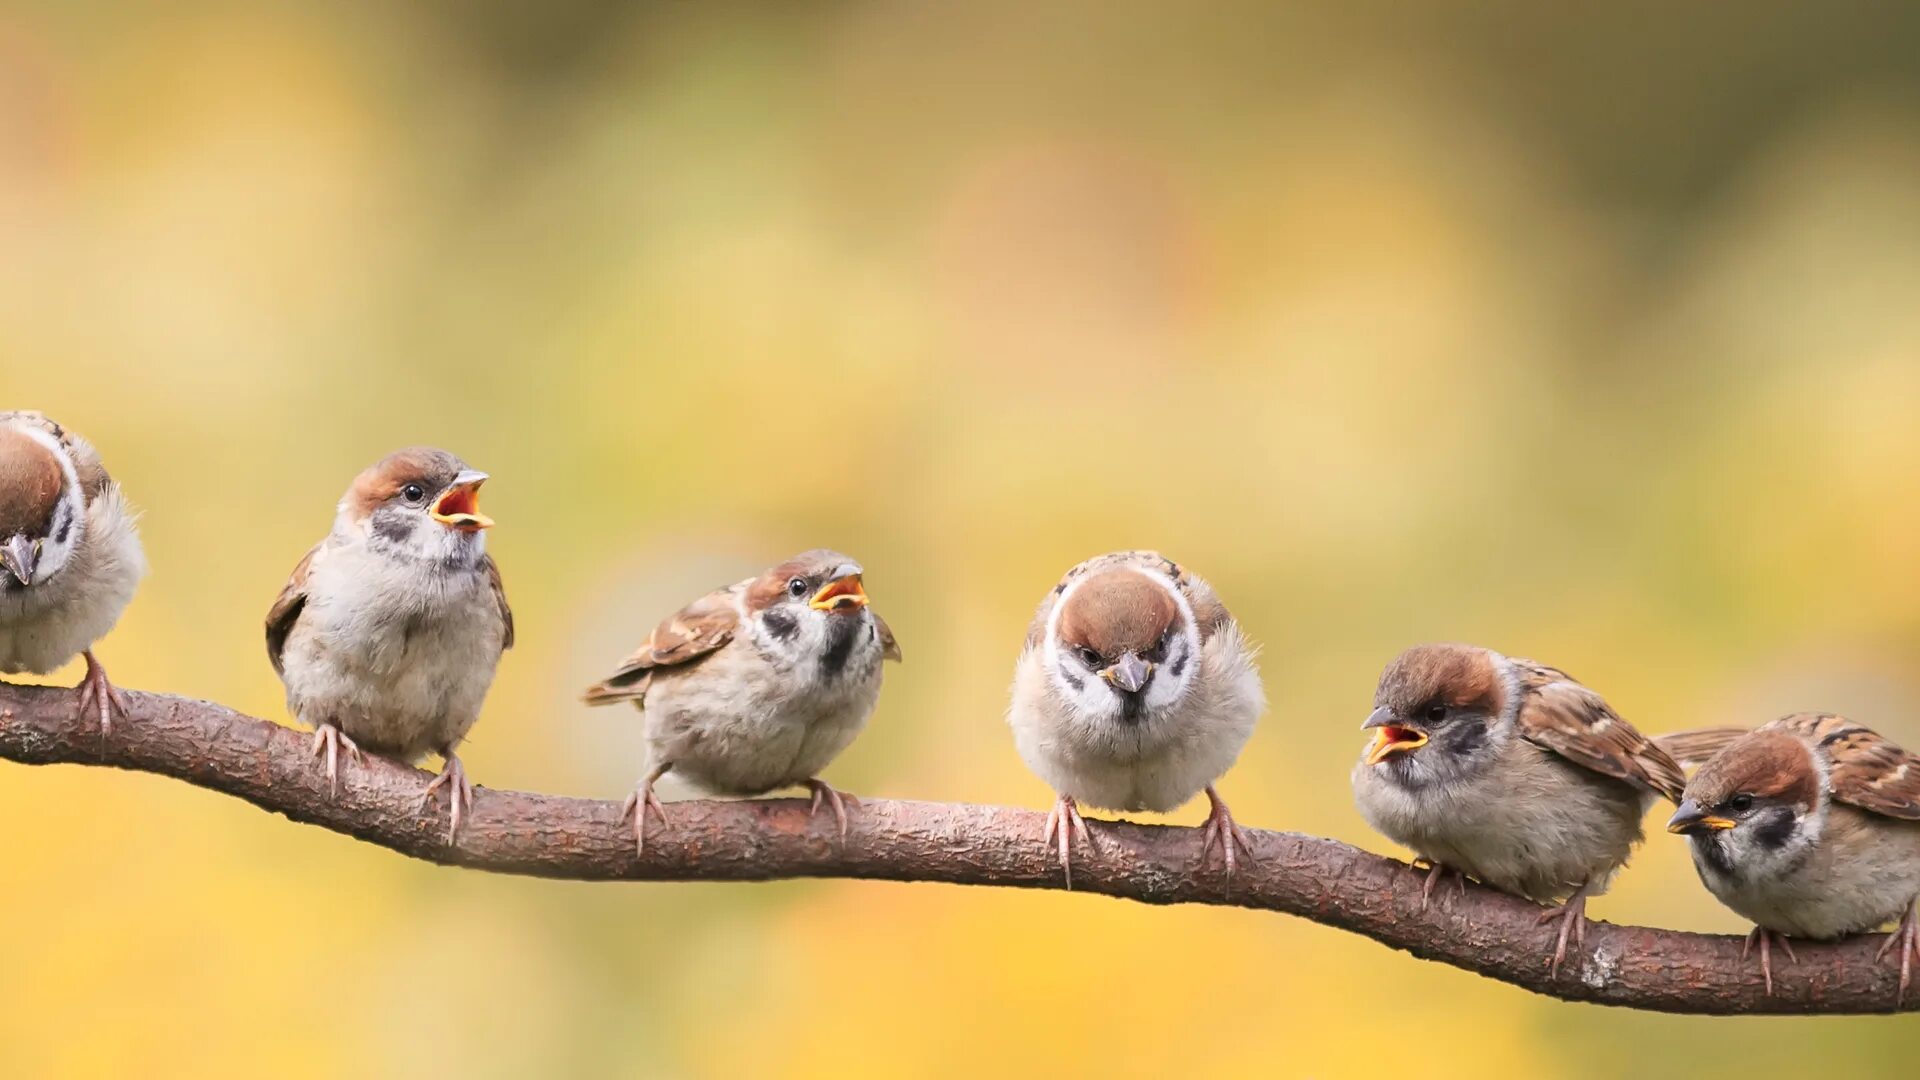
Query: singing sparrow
[
  {"x": 1810, "y": 827},
  {"x": 756, "y": 686},
  {"x": 1511, "y": 772},
  {"x": 1135, "y": 691},
  {"x": 70, "y": 557},
  {"x": 389, "y": 631}
]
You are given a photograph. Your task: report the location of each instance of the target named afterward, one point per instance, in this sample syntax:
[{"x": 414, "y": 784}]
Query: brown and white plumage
[
  {"x": 388, "y": 632},
  {"x": 1810, "y": 827},
  {"x": 757, "y": 686},
  {"x": 1135, "y": 690},
  {"x": 1509, "y": 771},
  {"x": 70, "y": 556}
]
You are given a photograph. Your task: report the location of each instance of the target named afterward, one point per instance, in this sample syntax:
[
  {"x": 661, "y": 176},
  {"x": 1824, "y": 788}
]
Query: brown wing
[
  {"x": 286, "y": 609},
  {"x": 87, "y": 466},
  {"x": 889, "y": 648},
  {"x": 689, "y": 635},
  {"x": 1559, "y": 714},
  {"x": 500, "y": 597},
  {"x": 1864, "y": 769},
  {"x": 1695, "y": 748}
]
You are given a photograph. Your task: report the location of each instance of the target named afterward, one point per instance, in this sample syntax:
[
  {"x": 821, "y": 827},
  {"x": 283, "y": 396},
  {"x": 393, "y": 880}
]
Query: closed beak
[
  {"x": 1690, "y": 819},
  {"x": 1129, "y": 673},
  {"x": 459, "y": 506},
  {"x": 1391, "y": 735},
  {"x": 20, "y": 556}
]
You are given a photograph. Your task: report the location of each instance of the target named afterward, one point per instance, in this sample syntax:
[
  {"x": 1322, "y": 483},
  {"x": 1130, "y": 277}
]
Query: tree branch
[{"x": 515, "y": 832}]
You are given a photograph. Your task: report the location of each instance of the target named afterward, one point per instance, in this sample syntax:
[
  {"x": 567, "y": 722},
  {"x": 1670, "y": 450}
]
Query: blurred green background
[{"x": 1589, "y": 336}]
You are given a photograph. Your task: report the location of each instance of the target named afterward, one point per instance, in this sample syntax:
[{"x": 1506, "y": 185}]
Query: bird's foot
[
  {"x": 328, "y": 739},
  {"x": 1766, "y": 938},
  {"x": 1220, "y": 829},
  {"x": 1435, "y": 872},
  {"x": 1572, "y": 916},
  {"x": 1065, "y": 823},
  {"x": 98, "y": 695},
  {"x": 453, "y": 777},
  {"x": 824, "y": 792},
  {"x": 1904, "y": 942},
  {"x": 642, "y": 800}
]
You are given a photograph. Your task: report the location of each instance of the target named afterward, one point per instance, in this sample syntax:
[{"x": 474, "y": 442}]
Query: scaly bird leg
[
  {"x": 1573, "y": 923},
  {"x": 642, "y": 800},
  {"x": 1065, "y": 822},
  {"x": 824, "y": 791},
  {"x": 1220, "y": 829},
  {"x": 97, "y": 694},
  {"x": 1904, "y": 942},
  {"x": 453, "y": 777},
  {"x": 1766, "y": 938},
  {"x": 328, "y": 738}
]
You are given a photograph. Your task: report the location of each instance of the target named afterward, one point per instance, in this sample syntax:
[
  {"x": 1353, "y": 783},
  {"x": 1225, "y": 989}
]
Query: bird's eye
[
  {"x": 1436, "y": 713},
  {"x": 413, "y": 493},
  {"x": 797, "y": 587},
  {"x": 1089, "y": 657},
  {"x": 1740, "y": 803}
]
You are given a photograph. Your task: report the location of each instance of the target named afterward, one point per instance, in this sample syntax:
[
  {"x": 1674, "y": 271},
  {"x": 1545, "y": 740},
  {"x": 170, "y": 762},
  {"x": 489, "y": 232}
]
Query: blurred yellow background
[{"x": 1591, "y": 337}]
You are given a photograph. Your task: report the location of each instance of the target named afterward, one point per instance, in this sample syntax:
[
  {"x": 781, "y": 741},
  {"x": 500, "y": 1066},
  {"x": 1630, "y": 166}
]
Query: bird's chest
[{"x": 387, "y": 623}]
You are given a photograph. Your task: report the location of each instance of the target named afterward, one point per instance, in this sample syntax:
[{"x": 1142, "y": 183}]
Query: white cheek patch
[
  {"x": 1093, "y": 695},
  {"x": 1176, "y": 673}
]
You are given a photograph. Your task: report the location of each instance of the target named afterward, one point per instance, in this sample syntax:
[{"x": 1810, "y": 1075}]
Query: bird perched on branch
[
  {"x": 389, "y": 631},
  {"x": 70, "y": 556},
  {"x": 1135, "y": 691},
  {"x": 1810, "y": 827},
  {"x": 1511, "y": 772},
  {"x": 756, "y": 686}
]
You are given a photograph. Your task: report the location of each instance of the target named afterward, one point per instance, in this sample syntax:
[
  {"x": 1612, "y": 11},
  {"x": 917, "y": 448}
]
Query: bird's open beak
[
  {"x": 20, "y": 556},
  {"x": 1690, "y": 819},
  {"x": 1391, "y": 736},
  {"x": 459, "y": 506},
  {"x": 843, "y": 594},
  {"x": 1129, "y": 673}
]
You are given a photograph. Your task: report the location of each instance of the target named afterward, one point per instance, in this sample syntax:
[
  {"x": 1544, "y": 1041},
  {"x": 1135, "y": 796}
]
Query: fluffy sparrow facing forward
[
  {"x": 1135, "y": 691},
  {"x": 1511, "y": 772},
  {"x": 1810, "y": 827},
  {"x": 756, "y": 686},
  {"x": 69, "y": 555},
  {"x": 389, "y": 631}
]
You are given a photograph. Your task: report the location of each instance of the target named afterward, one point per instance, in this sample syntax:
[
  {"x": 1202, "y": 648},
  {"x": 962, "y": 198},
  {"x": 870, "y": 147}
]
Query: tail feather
[{"x": 626, "y": 686}]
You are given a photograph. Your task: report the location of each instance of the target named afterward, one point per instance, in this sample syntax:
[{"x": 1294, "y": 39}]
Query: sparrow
[
  {"x": 389, "y": 631},
  {"x": 756, "y": 686},
  {"x": 1511, "y": 772},
  {"x": 1810, "y": 827},
  {"x": 1135, "y": 690},
  {"x": 70, "y": 556}
]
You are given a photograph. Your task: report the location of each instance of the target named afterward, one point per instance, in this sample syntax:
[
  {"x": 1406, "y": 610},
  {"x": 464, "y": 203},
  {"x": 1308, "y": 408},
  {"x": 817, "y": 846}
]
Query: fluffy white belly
[
  {"x": 401, "y": 669},
  {"x": 726, "y": 736}
]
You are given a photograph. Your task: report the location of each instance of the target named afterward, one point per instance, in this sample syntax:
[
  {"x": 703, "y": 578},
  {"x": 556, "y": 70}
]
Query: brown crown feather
[
  {"x": 1118, "y": 611},
  {"x": 1458, "y": 675},
  {"x": 1765, "y": 764},
  {"x": 30, "y": 483},
  {"x": 771, "y": 587},
  {"x": 430, "y": 468}
]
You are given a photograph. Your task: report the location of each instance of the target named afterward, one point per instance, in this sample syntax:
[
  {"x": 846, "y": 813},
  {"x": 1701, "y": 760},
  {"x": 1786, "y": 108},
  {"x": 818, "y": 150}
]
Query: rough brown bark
[{"x": 515, "y": 832}]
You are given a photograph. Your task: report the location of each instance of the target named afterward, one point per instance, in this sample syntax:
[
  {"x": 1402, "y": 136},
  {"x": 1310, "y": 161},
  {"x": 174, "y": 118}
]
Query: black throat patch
[{"x": 843, "y": 631}]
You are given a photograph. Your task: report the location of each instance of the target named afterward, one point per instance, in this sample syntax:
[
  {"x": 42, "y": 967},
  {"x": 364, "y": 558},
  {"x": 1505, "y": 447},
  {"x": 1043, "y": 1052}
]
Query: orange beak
[
  {"x": 844, "y": 594},
  {"x": 1390, "y": 736},
  {"x": 459, "y": 506}
]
